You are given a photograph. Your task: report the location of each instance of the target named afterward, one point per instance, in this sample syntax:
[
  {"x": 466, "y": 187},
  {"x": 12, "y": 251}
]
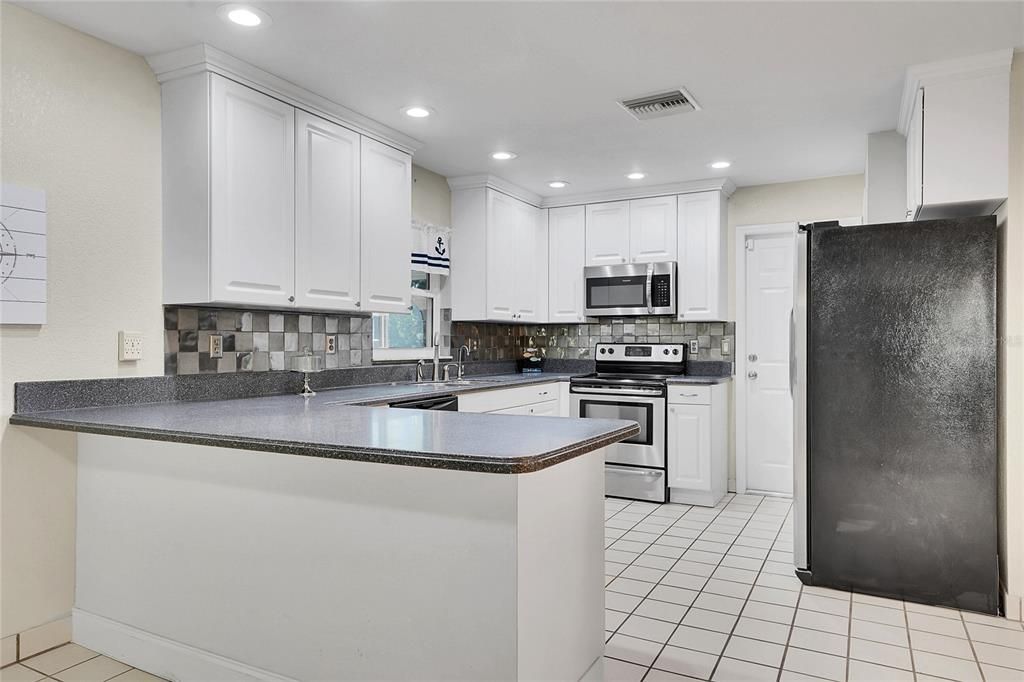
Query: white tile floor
[
  {"x": 73, "y": 663},
  {"x": 709, "y": 594}
]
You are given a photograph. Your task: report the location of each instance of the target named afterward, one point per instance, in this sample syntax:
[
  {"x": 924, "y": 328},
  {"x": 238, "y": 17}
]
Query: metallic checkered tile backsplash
[
  {"x": 256, "y": 341},
  {"x": 488, "y": 341}
]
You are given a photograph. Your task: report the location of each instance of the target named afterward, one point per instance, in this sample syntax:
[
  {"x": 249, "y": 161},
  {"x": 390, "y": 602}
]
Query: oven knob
[
  {"x": 665, "y": 351},
  {"x": 675, "y": 351},
  {"x": 601, "y": 351},
  {"x": 611, "y": 351}
]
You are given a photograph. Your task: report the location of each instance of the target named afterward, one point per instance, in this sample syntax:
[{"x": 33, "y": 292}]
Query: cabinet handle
[{"x": 688, "y": 395}]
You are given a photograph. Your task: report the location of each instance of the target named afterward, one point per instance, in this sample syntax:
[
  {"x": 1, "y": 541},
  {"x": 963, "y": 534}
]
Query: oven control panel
[{"x": 640, "y": 352}]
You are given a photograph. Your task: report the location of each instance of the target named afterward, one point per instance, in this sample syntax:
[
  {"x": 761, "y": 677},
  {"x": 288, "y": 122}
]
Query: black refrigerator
[{"x": 894, "y": 362}]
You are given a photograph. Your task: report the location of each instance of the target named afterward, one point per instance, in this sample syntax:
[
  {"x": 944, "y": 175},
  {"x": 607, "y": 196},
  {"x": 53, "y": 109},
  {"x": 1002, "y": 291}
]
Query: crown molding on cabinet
[
  {"x": 202, "y": 57},
  {"x": 494, "y": 182},
  {"x": 923, "y": 75},
  {"x": 723, "y": 185}
]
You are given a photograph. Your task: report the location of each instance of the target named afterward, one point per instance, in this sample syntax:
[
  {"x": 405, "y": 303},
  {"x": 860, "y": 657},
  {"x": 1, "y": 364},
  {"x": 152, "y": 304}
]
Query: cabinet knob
[
  {"x": 751, "y": 374},
  {"x": 623, "y": 260},
  {"x": 359, "y": 304},
  {"x": 752, "y": 357},
  {"x": 291, "y": 299}
]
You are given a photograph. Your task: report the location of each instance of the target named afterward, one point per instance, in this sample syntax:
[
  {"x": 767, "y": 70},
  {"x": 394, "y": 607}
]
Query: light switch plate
[
  {"x": 726, "y": 347},
  {"x": 694, "y": 347},
  {"x": 129, "y": 346}
]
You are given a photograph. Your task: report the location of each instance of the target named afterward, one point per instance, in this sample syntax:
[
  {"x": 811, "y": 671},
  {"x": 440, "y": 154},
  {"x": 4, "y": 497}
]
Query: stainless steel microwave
[{"x": 634, "y": 289}]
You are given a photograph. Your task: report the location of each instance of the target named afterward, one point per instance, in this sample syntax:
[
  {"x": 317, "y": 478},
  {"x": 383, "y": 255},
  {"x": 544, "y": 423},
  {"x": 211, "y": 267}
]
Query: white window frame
[{"x": 426, "y": 353}]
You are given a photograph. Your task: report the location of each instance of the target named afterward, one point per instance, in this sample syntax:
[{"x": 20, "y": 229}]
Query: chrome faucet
[
  {"x": 462, "y": 367},
  {"x": 437, "y": 356}
]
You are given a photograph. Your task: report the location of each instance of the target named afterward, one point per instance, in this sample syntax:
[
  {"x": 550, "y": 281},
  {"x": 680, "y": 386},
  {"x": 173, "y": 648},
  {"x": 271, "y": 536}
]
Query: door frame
[{"x": 743, "y": 232}]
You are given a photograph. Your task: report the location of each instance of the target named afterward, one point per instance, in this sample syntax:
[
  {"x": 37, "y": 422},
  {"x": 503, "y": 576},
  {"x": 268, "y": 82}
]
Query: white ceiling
[{"x": 788, "y": 90}]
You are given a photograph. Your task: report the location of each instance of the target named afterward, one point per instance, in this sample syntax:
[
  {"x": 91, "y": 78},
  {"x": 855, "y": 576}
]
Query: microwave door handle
[{"x": 650, "y": 279}]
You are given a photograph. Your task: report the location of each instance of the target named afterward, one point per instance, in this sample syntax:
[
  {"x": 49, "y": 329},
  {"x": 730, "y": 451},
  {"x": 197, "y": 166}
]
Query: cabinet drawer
[
  {"x": 548, "y": 408},
  {"x": 690, "y": 395},
  {"x": 635, "y": 482},
  {"x": 504, "y": 398}
]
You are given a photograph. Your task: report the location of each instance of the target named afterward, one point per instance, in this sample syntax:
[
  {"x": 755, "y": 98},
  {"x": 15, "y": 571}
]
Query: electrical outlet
[
  {"x": 694, "y": 347},
  {"x": 726, "y": 347},
  {"x": 331, "y": 344},
  {"x": 129, "y": 346},
  {"x": 216, "y": 346}
]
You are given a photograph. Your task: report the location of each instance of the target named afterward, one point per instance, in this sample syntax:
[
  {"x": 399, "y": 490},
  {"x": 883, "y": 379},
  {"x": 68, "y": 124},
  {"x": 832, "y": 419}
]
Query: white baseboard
[
  {"x": 158, "y": 655},
  {"x": 1014, "y": 605}
]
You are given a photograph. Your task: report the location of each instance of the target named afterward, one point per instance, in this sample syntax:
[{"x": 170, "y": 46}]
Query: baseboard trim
[
  {"x": 1013, "y": 605},
  {"x": 158, "y": 655}
]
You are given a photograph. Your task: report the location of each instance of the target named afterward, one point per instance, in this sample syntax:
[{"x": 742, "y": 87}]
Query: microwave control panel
[{"x": 661, "y": 291}]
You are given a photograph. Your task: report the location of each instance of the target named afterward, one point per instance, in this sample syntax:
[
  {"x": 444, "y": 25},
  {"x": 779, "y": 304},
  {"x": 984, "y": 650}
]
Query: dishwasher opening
[{"x": 449, "y": 403}]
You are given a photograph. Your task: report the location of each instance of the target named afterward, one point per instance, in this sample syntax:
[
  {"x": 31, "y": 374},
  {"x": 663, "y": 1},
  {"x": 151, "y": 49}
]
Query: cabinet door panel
[
  {"x": 327, "y": 214},
  {"x": 915, "y": 156},
  {"x": 652, "y": 230},
  {"x": 503, "y": 221},
  {"x": 701, "y": 257},
  {"x": 386, "y": 231},
  {"x": 567, "y": 254},
  {"x": 689, "y": 447},
  {"x": 607, "y": 233},
  {"x": 252, "y": 196},
  {"x": 531, "y": 264}
]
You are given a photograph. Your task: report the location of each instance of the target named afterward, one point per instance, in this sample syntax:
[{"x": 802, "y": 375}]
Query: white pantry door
[{"x": 768, "y": 300}]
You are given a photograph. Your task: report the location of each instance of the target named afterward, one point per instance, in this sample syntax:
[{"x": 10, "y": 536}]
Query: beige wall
[
  {"x": 804, "y": 201},
  {"x": 1012, "y": 350},
  {"x": 81, "y": 120},
  {"x": 431, "y": 198}
]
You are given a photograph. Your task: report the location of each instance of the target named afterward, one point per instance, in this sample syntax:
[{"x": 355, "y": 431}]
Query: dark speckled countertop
[{"x": 339, "y": 424}]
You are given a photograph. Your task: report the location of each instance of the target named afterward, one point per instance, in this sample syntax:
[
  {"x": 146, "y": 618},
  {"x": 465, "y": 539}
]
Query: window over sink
[{"x": 410, "y": 336}]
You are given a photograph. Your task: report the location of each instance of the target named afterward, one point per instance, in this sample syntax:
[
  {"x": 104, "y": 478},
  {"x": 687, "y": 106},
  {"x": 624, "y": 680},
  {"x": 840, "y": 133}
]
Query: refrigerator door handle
[{"x": 798, "y": 389}]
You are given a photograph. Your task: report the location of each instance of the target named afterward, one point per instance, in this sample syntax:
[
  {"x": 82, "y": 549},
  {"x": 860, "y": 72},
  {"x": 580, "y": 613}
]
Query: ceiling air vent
[{"x": 660, "y": 104}]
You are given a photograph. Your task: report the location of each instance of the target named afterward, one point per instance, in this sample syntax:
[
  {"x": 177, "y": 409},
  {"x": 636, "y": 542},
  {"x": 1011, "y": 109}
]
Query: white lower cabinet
[
  {"x": 536, "y": 399},
  {"x": 548, "y": 408},
  {"x": 697, "y": 443}
]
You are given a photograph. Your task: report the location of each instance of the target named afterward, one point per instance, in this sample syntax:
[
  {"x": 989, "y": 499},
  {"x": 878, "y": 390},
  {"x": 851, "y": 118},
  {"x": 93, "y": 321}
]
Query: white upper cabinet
[
  {"x": 566, "y": 257},
  {"x": 252, "y": 192},
  {"x": 327, "y": 215},
  {"x": 956, "y": 116},
  {"x": 652, "y": 230},
  {"x": 268, "y": 205},
  {"x": 702, "y": 287},
  {"x": 503, "y": 245},
  {"x": 386, "y": 236},
  {"x": 608, "y": 240},
  {"x": 501, "y": 271},
  {"x": 531, "y": 265}
]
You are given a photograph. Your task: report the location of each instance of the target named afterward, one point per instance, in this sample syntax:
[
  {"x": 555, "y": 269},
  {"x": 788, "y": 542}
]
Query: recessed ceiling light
[
  {"x": 637, "y": 175},
  {"x": 503, "y": 156},
  {"x": 243, "y": 15},
  {"x": 719, "y": 165},
  {"x": 558, "y": 184},
  {"x": 417, "y": 112}
]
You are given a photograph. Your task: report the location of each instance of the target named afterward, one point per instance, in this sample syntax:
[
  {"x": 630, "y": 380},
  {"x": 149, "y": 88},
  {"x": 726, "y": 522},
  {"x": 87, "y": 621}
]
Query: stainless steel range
[{"x": 631, "y": 383}]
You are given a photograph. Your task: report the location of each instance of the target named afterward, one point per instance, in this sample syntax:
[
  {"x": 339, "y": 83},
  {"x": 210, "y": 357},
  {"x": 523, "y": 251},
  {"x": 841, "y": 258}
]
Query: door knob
[
  {"x": 752, "y": 357},
  {"x": 751, "y": 374}
]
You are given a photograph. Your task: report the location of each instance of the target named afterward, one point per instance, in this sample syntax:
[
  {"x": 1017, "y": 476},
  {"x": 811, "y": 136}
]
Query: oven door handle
[
  {"x": 650, "y": 280},
  {"x": 654, "y": 392}
]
